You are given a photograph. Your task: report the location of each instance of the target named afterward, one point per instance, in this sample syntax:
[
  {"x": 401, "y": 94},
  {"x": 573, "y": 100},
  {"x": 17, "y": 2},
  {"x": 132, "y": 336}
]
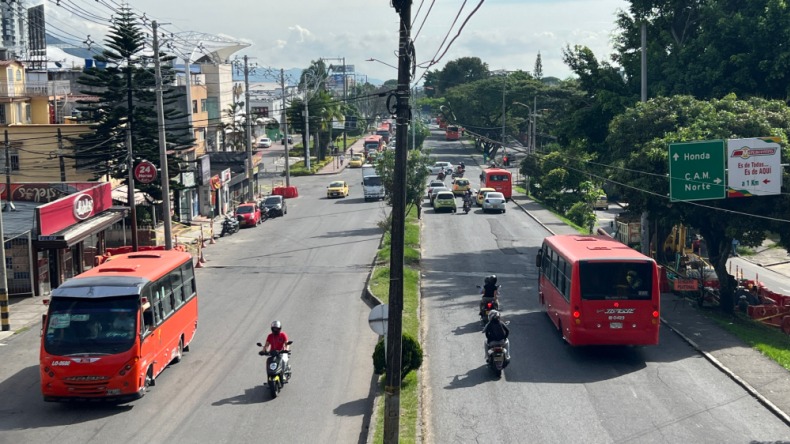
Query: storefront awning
[
  {"x": 121, "y": 194},
  {"x": 78, "y": 232}
]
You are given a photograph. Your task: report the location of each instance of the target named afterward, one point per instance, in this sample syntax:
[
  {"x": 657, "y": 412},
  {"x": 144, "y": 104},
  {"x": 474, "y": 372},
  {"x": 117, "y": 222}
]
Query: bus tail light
[
  {"x": 576, "y": 314},
  {"x": 655, "y": 314}
]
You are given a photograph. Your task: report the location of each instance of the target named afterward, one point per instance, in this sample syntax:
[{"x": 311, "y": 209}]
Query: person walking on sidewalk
[{"x": 342, "y": 159}]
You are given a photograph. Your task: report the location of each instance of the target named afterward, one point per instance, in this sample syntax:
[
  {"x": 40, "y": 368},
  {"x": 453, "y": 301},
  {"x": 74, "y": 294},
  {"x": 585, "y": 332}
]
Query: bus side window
[
  {"x": 148, "y": 320},
  {"x": 176, "y": 298},
  {"x": 188, "y": 275},
  {"x": 539, "y": 259}
]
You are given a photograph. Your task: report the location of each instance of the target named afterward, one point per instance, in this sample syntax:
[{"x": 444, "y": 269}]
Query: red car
[{"x": 248, "y": 215}]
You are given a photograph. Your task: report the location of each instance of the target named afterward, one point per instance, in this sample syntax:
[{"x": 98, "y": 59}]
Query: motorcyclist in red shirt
[{"x": 277, "y": 340}]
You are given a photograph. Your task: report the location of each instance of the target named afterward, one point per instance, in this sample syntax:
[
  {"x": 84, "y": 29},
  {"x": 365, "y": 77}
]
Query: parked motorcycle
[
  {"x": 229, "y": 225},
  {"x": 486, "y": 305},
  {"x": 277, "y": 373}
]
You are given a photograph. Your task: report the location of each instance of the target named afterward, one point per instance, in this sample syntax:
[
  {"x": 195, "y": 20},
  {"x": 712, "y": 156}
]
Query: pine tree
[
  {"x": 538, "y": 67},
  {"x": 120, "y": 82}
]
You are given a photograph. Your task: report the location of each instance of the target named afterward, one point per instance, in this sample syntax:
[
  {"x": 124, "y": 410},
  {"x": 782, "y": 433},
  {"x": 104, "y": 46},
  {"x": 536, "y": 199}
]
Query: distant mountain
[{"x": 292, "y": 76}]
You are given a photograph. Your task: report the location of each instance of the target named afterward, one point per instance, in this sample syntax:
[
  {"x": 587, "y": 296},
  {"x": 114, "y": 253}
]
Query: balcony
[{"x": 35, "y": 89}]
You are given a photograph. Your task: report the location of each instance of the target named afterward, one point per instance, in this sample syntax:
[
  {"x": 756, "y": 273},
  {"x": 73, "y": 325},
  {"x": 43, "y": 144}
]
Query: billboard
[{"x": 753, "y": 167}]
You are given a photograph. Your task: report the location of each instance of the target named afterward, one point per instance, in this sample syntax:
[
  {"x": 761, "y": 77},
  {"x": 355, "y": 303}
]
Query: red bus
[
  {"x": 384, "y": 132},
  {"x": 442, "y": 123},
  {"x": 374, "y": 142},
  {"x": 452, "y": 133},
  {"x": 598, "y": 291},
  {"x": 110, "y": 331},
  {"x": 498, "y": 179}
]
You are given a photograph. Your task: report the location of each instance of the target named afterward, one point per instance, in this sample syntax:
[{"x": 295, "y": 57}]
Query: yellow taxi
[
  {"x": 461, "y": 185},
  {"x": 357, "y": 160},
  {"x": 338, "y": 188},
  {"x": 481, "y": 195}
]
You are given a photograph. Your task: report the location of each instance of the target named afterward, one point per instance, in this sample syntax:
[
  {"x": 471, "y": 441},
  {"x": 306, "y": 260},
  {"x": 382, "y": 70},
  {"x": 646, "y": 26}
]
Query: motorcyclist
[
  {"x": 496, "y": 331},
  {"x": 468, "y": 199},
  {"x": 490, "y": 292},
  {"x": 440, "y": 176},
  {"x": 277, "y": 340}
]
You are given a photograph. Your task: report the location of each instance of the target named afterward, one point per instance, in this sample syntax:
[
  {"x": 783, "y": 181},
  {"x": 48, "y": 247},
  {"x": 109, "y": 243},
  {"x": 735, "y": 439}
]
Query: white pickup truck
[{"x": 372, "y": 187}]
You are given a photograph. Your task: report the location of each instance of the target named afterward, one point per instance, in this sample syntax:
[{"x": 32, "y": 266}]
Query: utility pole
[
  {"x": 60, "y": 156},
  {"x": 248, "y": 126},
  {"x": 345, "y": 102},
  {"x": 8, "y": 172},
  {"x": 285, "y": 126},
  {"x": 160, "y": 119},
  {"x": 130, "y": 188},
  {"x": 306, "y": 135},
  {"x": 395, "y": 319},
  {"x": 5, "y": 322},
  {"x": 504, "y": 85}
]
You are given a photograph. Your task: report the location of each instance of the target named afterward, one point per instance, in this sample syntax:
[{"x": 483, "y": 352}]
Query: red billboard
[{"x": 69, "y": 210}]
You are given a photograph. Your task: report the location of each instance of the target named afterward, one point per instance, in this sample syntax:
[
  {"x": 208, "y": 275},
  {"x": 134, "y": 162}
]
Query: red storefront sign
[
  {"x": 69, "y": 210},
  {"x": 43, "y": 191}
]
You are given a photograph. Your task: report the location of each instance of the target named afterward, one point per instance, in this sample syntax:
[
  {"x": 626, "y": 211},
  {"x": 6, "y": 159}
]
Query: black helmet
[
  {"x": 491, "y": 279},
  {"x": 276, "y": 327}
]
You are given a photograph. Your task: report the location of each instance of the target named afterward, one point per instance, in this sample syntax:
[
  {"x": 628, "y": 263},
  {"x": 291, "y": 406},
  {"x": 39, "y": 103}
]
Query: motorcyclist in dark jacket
[
  {"x": 490, "y": 292},
  {"x": 496, "y": 331}
]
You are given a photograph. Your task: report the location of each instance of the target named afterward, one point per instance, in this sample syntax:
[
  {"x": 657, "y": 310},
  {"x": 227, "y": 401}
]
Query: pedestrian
[
  {"x": 342, "y": 159},
  {"x": 351, "y": 152}
]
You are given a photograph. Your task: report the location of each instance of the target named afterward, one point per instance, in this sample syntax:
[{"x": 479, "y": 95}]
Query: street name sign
[
  {"x": 753, "y": 167},
  {"x": 696, "y": 171}
]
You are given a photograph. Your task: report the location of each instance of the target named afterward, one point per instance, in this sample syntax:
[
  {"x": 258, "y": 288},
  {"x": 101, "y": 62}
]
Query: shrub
[
  {"x": 581, "y": 214},
  {"x": 411, "y": 356}
]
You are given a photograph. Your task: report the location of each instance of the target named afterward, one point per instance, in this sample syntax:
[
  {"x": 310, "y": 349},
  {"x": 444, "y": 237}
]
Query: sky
[{"x": 505, "y": 34}]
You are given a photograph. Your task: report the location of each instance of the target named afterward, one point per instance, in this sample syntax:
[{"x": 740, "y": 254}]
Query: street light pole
[{"x": 285, "y": 129}]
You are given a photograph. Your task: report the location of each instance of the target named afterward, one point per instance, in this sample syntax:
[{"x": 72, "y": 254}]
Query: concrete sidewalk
[
  {"x": 761, "y": 377},
  {"x": 335, "y": 167}
]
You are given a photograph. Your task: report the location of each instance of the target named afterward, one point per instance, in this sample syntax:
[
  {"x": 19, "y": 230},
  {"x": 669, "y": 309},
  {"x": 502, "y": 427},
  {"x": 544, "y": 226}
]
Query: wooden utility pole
[{"x": 395, "y": 318}]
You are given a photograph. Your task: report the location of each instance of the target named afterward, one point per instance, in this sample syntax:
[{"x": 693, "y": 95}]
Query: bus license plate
[{"x": 615, "y": 325}]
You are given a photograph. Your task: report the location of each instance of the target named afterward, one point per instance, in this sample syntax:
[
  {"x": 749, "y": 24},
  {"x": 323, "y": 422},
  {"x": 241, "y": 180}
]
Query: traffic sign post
[
  {"x": 696, "y": 171},
  {"x": 754, "y": 167}
]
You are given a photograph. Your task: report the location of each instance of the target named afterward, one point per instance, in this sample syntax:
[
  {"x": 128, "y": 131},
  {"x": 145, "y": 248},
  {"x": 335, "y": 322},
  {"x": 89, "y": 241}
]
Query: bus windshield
[
  {"x": 615, "y": 280},
  {"x": 91, "y": 326}
]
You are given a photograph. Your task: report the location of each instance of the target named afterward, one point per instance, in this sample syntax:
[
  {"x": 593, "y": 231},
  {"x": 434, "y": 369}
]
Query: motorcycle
[
  {"x": 229, "y": 226},
  {"x": 497, "y": 356},
  {"x": 486, "y": 305},
  {"x": 467, "y": 206},
  {"x": 458, "y": 173},
  {"x": 277, "y": 373}
]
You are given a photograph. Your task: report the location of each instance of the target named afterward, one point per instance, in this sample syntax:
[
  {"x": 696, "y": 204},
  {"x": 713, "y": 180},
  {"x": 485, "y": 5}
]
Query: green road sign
[{"x": 696, "y": 171}]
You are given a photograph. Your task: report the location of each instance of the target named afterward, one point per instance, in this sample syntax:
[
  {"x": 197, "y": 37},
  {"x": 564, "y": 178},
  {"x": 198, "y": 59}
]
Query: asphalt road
[
  {"x": 553, "y": 393},
  {"x": 307, "y": 269}
]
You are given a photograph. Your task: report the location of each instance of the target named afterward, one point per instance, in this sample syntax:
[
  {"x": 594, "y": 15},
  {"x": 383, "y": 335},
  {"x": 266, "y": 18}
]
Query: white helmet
[{"x": 493, "y": 314}]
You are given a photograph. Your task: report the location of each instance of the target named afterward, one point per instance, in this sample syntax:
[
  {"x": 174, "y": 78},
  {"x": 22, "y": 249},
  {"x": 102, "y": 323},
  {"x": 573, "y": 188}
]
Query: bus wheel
[
  {"x": 150, "y": 381},
  {"x": 180, "y": 352}
]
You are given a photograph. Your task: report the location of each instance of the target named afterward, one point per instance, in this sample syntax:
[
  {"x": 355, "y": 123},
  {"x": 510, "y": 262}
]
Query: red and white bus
[
  {"x": 598, "y": 291},
  {"x": 110, "y": 331},
  {"x": 499, "y": 179}
]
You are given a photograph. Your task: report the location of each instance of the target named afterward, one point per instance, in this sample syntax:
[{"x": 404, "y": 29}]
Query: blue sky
[{"x": 506, "y": 34}]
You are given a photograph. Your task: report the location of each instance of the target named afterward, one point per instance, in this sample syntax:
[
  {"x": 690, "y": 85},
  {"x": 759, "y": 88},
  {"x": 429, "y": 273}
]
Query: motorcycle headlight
[{"x": 273, "y": 366}]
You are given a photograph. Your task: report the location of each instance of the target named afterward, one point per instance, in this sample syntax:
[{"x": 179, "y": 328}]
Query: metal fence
[{"x": 19, "y": 264}]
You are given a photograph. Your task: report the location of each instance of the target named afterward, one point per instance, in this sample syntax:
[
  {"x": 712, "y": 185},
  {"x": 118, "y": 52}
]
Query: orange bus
[
  {"x": 598, "y": 291},
  {"x": 452, "y": 133},
  {"x": 374, "y": 142},
  {"x": 499, "y": 179},
  {"x": 110, "y": 331},
  {"x": 384, "y": 132}
]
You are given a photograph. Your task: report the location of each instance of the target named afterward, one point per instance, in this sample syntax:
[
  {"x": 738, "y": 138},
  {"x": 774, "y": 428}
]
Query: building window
[
  {"x": 3, "y": 120},
  {"x": 194, "y": 107},
  {"x": 203, "y": 105},
  {"x": 28, "y": 113},
  {"x": 14, "y": 160},
  {"x": 18, "y": 75}
]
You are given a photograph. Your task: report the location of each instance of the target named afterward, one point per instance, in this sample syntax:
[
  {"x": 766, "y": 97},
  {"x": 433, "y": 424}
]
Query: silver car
[
  {"x": 438, "y": 167},
  {"x": 494, "y": 201}
]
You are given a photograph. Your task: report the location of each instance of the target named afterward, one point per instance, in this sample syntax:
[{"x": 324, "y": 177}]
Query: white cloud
[{"x": 503, "y": 33}]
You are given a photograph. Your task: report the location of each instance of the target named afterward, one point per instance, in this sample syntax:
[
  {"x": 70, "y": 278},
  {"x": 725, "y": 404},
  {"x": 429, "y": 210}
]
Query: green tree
[
  {"x": 538, "y": 71},
  {"x": 104, "y": 151},
  {"x": 416, "y": 175},
  {"x": 460, "y": 71},
  {"x": 641, "y": 136}
]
